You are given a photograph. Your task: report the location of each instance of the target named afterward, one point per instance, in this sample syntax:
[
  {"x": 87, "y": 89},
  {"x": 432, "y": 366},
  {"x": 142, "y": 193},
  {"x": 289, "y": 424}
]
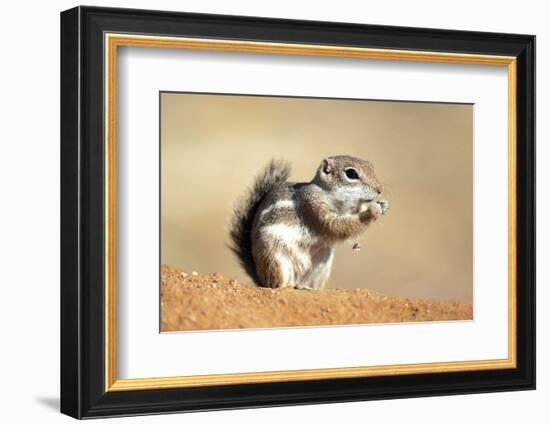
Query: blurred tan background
[{"x": 213, "y": 145}]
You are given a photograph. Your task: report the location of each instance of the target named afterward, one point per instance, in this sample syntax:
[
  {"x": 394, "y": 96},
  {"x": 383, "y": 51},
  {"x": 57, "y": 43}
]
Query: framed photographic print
[{"x": 261, "y": 212}]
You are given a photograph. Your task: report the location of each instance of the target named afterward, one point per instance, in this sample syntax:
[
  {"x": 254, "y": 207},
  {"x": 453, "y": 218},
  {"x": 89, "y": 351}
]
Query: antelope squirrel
[{"x": 284, "y": 233}]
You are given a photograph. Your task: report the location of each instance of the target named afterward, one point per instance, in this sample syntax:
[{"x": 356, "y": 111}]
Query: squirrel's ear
[{"x": 326, "y": 166}]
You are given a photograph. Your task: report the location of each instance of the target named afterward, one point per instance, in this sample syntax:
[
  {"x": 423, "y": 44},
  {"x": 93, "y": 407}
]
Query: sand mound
[{"x": 191, "y": 302}]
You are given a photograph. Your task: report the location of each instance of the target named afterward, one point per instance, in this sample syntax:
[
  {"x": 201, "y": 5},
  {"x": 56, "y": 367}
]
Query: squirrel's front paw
[{"x": 372, "y": 210}]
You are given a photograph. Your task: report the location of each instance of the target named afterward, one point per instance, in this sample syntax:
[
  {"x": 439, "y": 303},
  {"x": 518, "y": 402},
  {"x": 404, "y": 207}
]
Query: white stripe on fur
[{"x": 286, "y": 203}]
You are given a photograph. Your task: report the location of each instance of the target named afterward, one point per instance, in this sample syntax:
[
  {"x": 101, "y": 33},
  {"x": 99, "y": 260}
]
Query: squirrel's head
[{"x": 350, "y": 180}]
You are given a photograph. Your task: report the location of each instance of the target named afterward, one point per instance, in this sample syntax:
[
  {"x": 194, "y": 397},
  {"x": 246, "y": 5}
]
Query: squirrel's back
[{"x": 272, "y": 177}]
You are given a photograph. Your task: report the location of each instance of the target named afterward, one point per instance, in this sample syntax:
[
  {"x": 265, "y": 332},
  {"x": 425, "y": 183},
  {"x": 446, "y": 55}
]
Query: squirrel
[{"x": 284, "y": 233}]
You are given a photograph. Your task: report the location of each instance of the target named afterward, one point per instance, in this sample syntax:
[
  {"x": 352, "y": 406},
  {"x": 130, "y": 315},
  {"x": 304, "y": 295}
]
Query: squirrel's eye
[{"x": 352, "y": 174}]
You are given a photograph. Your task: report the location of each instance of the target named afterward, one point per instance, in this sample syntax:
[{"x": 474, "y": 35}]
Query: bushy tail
[{"x": 240, "y": 228}]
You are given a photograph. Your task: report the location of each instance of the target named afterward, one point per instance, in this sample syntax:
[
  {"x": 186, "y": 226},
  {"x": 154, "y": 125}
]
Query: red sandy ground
[{"x": 196, "y": 302}]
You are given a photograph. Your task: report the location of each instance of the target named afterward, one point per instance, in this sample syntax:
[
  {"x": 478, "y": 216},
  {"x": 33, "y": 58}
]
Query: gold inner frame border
[{"x": 113, "y": 40}]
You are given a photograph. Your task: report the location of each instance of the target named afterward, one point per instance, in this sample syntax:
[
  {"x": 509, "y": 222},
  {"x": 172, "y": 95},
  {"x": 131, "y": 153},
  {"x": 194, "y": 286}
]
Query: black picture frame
[{"x": 83, "y": 392}]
